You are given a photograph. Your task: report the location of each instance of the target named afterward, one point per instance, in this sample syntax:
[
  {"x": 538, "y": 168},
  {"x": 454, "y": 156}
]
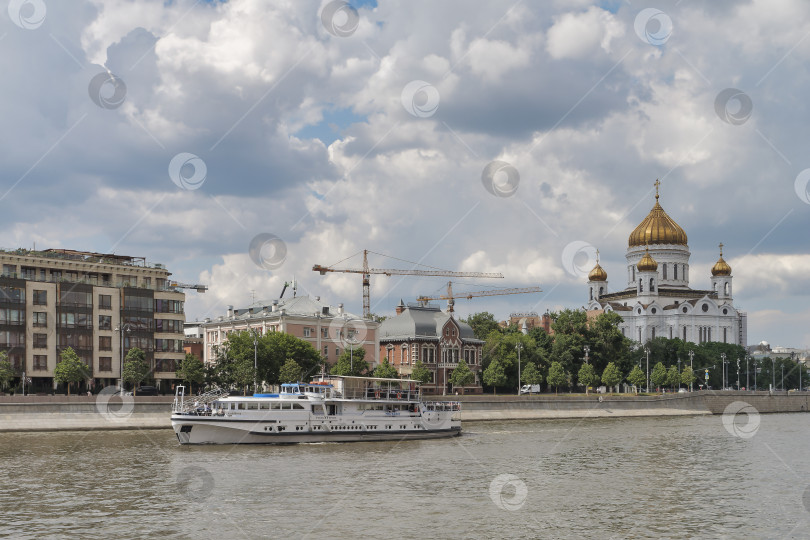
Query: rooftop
[{"x": 83, "y": 256}]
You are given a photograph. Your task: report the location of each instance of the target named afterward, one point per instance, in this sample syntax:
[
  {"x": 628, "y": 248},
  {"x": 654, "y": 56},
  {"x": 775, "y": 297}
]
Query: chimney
[
  {"x": 230, "y": 312},
  {"x": 340, "y": 309},
  {"x": 400, "y": 307},
  {"x": 274, "y": 308}
]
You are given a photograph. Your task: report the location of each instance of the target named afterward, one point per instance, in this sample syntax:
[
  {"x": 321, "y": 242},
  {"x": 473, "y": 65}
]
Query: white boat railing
[
  {"x": 442, "y": 406},
  {"x": 199, "y": 404}
]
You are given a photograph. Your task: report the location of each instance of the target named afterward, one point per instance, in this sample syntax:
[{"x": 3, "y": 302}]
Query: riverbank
[{"x": 64, "y": 413}]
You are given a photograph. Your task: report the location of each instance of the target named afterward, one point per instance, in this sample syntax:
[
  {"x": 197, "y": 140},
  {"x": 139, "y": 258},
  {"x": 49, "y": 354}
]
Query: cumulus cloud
[{"x": 305, "y": 136}]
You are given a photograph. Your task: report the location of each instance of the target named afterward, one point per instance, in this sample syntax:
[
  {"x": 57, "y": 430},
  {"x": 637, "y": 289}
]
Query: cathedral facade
[{"x": 657, "y": 300}]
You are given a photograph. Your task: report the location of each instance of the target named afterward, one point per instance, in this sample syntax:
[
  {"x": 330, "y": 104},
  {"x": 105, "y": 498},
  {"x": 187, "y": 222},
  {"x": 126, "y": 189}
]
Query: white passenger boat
[{"x": 333, "y": 408}]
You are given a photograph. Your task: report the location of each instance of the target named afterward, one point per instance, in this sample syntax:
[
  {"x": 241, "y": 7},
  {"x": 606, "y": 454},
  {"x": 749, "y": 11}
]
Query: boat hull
[{"x": 207, "y": 430}]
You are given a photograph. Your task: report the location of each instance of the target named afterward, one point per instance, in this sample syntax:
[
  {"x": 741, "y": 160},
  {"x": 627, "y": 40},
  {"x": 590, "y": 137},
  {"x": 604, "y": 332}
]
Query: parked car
[
  {"x": 530, "y": 389},
  {"x": 147, "y": 391}
]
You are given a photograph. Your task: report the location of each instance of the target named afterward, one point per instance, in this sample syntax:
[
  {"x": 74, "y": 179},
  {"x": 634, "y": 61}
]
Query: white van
[{"x": 530, "y": 389}]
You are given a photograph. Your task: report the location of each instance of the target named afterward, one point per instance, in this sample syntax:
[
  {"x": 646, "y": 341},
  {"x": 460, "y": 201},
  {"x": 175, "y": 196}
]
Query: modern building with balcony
[{"x": 101, "y": 305}]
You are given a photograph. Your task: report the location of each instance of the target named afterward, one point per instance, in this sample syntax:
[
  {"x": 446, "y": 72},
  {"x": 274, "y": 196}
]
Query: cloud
[{"x": 579, "y": 35}]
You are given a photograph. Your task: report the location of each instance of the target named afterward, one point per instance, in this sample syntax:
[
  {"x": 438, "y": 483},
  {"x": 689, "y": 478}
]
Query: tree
[
  {"x": 531, "y": 375},
  {"x": 687, "y": 375},
  {"x": 483, "y": 324},
  {"x": 191, "y": 370},
  {"x": 70, "y": 369},
  {"x": 659, "y": 375},
  {"x": 6, "y": 370},
  {"x": 290, "y": 372},
  {"x": 386, "y": 370},
  {"x": 136, "y": 368},
  {"x": 637, "y": 378},
  {"x": 587, "y": 376},
  {"x": 462, "y": 376},
  {"x": 556, "y": 376},
  {"x": 611, "y": 376},
  {"x": 351, "y": 363},
  {"x": 494, "y": 374},
  {"x": 673, "y": 377},
  {"x": 421, "y": 373}
]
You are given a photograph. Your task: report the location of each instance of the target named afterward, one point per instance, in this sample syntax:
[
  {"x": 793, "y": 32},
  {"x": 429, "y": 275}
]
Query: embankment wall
[{"x": 56, "y": 413}]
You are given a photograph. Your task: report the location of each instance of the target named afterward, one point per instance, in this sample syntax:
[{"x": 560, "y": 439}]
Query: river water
[{"x": 680, "y": 477}]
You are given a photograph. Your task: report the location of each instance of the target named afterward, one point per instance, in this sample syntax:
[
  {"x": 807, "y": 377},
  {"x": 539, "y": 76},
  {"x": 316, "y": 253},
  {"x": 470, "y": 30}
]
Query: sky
[{"x": 242, "y": 142}]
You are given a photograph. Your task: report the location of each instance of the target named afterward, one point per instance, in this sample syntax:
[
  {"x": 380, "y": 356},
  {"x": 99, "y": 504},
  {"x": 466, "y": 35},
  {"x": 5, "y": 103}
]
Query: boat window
[
  {"x": 253, "y": 405},
  {"x": 275, "y": 406},
  {"x": 297, "y": 406}
]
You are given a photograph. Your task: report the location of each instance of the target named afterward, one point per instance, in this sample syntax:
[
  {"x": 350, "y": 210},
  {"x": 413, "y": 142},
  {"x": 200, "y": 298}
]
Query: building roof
[
  {"x": 657, "y": 228},
  {"x": 301, "y": 306},
  {"x": 417, "y": 321}
]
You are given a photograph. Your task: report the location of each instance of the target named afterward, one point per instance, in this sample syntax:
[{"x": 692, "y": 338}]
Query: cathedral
[{"x": 657, "y": 301}]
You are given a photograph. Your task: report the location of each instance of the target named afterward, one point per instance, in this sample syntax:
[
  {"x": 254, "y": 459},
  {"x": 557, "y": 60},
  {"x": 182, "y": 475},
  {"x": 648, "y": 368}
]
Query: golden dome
[
  {"x": 597, "y": 274},
  {"x": 721, "y": 267},
  {"x": 647, "y": 263},
  {"x": 657, "y": 228}
]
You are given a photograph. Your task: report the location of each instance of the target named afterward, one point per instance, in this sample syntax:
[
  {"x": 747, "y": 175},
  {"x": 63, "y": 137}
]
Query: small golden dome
[
  {"x": 597, "y": 274},
  {"x": 657, "y": 228},
  {"x": 647, "y": 263},
  {"x": 721, "y": 267}
]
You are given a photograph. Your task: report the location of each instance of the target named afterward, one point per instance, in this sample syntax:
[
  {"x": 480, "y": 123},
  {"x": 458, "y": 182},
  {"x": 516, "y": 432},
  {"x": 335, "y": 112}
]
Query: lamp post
[
  {"x": 723, "y": 370},
  {"x": 783, "y": 377},
  {"x": 679, "y": 373},
  {"x": 773, "y": 374},
  {"x": 120, "y": 329},
  {"x": 255, "y": 359},
  {"x": 746, "y": 372},
  {"x": 519, "y": 346},
  {"x": 756, "y": 368},
  {"x": 691, "y": 366},
  {"x": 738, "y": 373},
  {"x": 352, "y": 342},
  {"x": 647, "y": 350}
]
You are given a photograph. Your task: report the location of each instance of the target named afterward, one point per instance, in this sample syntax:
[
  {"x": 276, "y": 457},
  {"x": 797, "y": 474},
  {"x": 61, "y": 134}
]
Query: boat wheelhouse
[{"x": 332, "y": 408}]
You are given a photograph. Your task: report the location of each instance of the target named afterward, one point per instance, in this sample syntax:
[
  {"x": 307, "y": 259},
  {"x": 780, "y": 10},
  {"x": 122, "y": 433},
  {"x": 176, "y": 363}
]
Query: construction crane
[
  {"x": 366, "y": 272},
  {"x": 197, "y": 287},
  {"x": 450, "y": 297}
]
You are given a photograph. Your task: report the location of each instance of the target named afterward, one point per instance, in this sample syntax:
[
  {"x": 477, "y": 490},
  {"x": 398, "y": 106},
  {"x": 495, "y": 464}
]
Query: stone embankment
[{"x": 56, "y": 413}]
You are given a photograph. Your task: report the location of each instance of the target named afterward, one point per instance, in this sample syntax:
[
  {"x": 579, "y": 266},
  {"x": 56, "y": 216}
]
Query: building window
[
  {"x": 337, "y": 351},
  {"x": 675, "y": 271},
  {"x": 684, "y": 333},
  {"x": 29, "y": 273},
  {"x": 307, "y": 331},
  {"x": 105, "y": 363},
  {"x": 105, "y": 343},
  {"x": 705, "y": 308},
  {"x": 665, "y": 270},
  {"x": 104, "y": 322},
  {"x": 40, "y": 362},
  {"x": 40, "y": 298},
  {"x": 325, "y": 333},
  {"x": 40, "y": 319},
  {"x": 40, "y": 341},
  {"x": 325, "y": 351},
  {"x": 104, "y": 301}
]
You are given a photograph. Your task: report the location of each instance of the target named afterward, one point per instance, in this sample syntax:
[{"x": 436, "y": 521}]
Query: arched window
[
  {"x": 675, "y": 271},
  {"x": 653, "y": 332},
  {"x": 665, "y": 270},
  {"x": 640, "y": 286},
  {"x": 714, "y": 287},
  {"x": 725, "y": 288},
  {"x": 652, "y": 285},
  {"x": 591, "y": 298},
  {"x": 634, "y": 272},
  {"x": 601, "y": 291}
]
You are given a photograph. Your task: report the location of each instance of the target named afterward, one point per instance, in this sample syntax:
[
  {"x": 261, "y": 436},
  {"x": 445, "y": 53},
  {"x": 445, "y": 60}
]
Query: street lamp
[
  {"x": 679, "y": 373},
  {"x": 647, "y": 350},
  {"x": 738, "y": 373},
  {"x": 746, "y": 371},
  {"x": 120, "y": 329},
  {"x": 723, "y": 370},
  {"x": 691, "y": 366},
  {"x": 783, "y": 376},
  {"x": 773, "y": 373},
  {"x": 351, "y": 341},
  {"x": 519, "y": 346},
  {"x": 255, "y": 359},
  {"x": 756, "y": 369}
]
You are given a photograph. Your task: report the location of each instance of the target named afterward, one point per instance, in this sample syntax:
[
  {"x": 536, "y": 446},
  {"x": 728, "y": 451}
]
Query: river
[{"x": 675, "y": 477}]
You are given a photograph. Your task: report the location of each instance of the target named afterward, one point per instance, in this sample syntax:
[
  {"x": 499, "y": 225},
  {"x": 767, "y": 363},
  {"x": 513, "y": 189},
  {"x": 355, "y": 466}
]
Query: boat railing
[
  {"x": 453, "y": 406},
  {"x": 381, "y": 394},
  {"x": 199, "y": 404}
]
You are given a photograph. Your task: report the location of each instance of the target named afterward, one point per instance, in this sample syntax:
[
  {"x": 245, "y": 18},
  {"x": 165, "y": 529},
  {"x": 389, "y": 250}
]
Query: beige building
[
  {"x": 95, "y": 303},
  {"x": 329, "y": 329}
]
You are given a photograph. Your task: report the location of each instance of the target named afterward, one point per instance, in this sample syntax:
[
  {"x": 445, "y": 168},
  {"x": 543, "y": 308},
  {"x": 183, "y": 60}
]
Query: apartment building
[{"x": 101, "y": 305}]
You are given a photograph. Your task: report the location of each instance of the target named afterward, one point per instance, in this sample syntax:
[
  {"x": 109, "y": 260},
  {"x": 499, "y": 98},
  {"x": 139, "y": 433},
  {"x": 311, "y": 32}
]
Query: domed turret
[
  {"x": 647, "y": 263},
  {"x": 657, "y": 228},
  {"x": 598, "y": 273},
  {"x": 721, "y": 267}
]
